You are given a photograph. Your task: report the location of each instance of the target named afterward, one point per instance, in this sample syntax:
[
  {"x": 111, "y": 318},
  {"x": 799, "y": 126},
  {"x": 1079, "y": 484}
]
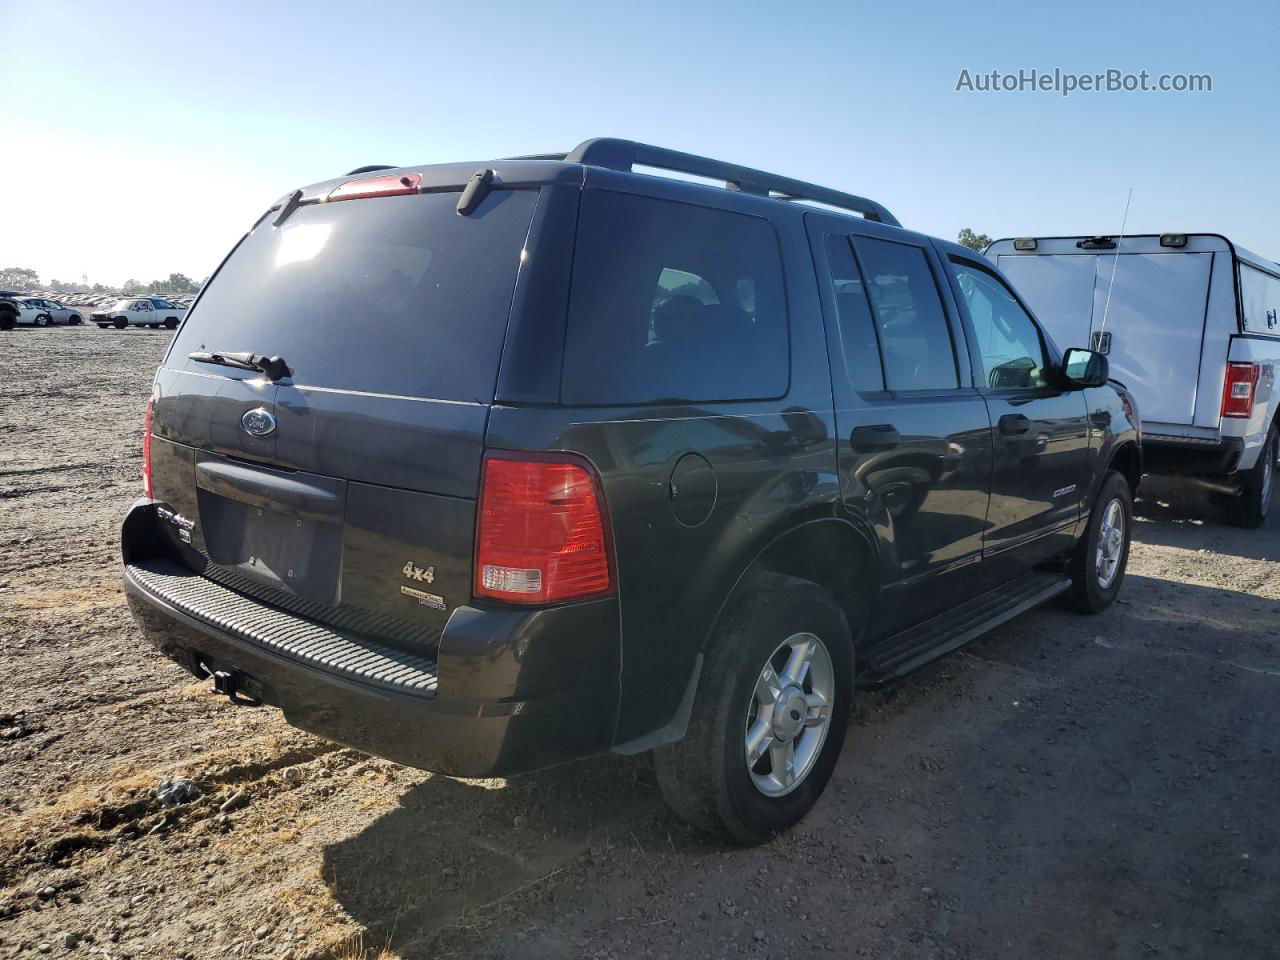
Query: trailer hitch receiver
[{"x": 240, "y": 688}]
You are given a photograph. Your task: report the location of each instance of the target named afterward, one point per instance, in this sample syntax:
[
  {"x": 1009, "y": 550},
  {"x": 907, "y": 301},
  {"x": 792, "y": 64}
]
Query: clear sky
[{"x": 143, "y": 138}]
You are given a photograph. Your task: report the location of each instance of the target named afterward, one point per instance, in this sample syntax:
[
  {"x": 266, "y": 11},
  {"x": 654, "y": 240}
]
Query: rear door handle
[
  {"x": 1012, "y": 424},
  {"x": 881, "y": 436}
]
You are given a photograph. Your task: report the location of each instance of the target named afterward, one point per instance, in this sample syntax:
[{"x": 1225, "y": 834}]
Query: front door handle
[
  {"x": 881, "y": 436},
  {"x": 1012, "y": 424}
]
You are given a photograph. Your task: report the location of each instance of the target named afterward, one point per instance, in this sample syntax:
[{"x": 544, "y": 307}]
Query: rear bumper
[
  {"x": 507, "y": 691},
  {"x": 1186, "y": 456}
]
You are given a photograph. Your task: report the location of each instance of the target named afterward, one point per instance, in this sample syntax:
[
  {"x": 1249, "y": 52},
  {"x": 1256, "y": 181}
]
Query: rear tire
[
  {"x": 42, "y": 320},
  {"x": 7, "y": 321},
  {"x": 171, "y": 323},
  {"x": 1099, "y": 560},
  {"x": 706, "y": 777},
  {"x": 1250, "y": 509},
  {"x": 74, "y": 320}
]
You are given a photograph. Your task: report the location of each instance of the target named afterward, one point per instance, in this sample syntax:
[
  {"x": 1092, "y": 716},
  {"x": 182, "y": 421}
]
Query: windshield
[{"x": 392, "y": 295}]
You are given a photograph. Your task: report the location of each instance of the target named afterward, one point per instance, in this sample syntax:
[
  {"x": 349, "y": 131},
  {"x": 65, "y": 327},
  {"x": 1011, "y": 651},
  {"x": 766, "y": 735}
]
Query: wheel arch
[
  {"x": 832, "y": 552},
  {"x": 1127, "y": 458}
]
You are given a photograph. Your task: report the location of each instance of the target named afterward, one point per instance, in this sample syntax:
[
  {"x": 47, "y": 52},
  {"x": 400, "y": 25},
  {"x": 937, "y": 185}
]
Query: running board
[{"x": 903, "y": 652}]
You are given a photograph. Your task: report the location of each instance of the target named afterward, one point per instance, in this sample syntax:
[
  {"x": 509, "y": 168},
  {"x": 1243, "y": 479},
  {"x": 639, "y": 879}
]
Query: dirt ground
[{"x": 1064, "y": 787}]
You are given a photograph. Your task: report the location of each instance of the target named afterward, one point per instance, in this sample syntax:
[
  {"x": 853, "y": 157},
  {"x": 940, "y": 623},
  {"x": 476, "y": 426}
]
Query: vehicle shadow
[
  {"x": 1176, "y": 514},
  {"x": 455, "y": 847}
]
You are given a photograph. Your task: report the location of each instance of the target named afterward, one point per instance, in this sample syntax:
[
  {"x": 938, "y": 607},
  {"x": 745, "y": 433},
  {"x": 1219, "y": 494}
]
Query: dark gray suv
[{"x": 487, "y": 467}]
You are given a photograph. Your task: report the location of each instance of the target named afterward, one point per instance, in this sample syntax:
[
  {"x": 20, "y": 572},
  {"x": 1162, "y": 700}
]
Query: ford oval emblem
[{"x": 258, "y": 422}]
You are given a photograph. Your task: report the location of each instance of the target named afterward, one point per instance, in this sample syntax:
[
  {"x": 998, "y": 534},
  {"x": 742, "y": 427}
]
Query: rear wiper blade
[{"x": 273, "y": 367}]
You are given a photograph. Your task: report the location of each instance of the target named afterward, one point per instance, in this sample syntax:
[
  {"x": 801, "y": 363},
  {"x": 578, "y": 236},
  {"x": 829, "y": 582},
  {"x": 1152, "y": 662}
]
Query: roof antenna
[{"x": 1115, "y": 263}]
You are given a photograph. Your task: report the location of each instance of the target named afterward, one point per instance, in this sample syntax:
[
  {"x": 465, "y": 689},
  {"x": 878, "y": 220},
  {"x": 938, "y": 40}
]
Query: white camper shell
[{"x": 1192, "y": 329}]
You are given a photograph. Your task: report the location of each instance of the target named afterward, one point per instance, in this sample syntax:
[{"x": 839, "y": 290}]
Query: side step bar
[{"x": 905, "y": 651}]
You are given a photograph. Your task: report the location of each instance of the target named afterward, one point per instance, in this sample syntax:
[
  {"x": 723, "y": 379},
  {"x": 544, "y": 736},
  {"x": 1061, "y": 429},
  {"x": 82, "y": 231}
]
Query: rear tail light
[
  {"x": 1237, "y": 395},
  {"x": 146, "y": 450},
  {"x": 541, "y": 534},
  {"x": 392, "y": 186}
]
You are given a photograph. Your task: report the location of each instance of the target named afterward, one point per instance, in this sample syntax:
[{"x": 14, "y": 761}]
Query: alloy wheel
[
  {"x": 1110, "y": 544},
  {"x": 789, "y": 714}
]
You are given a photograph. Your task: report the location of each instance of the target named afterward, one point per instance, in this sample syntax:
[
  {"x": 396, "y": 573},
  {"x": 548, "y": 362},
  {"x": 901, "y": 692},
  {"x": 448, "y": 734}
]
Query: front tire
[
  {"x": 770, "y": 714},
  {"x": 42, "y": 320},
  {"x": 1099, "y": 560},
  {"x": 1250, "y": 509},
  {"x": 119, "y": 323}
]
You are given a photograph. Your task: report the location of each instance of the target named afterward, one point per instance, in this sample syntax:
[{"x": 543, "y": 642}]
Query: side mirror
[{"x": 1085, "y": 368}]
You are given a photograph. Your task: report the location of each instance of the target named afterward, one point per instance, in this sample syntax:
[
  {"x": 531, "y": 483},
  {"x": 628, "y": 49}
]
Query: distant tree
[
  {"x": 974, "y": 241},
  {"x": 178, "y": 283},
  {"x": 19, "y": 278},
  {"x": 134, "y": 286}
]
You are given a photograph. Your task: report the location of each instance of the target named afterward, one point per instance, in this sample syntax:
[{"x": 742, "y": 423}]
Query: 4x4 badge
[{"x": 421, "y": 574}]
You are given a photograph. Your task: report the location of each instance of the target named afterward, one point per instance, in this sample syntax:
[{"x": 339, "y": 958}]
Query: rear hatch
[
  {"x": 1154, "y": 325},
  {"x": 345, "y": 490}
]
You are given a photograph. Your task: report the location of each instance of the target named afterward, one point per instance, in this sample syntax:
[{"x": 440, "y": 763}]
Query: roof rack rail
[{"x": 616, "y": 154}]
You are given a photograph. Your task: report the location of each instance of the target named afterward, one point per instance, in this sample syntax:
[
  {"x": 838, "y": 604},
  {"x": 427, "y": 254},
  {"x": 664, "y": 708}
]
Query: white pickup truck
[
  {"x": 153, "y": 312},
  {"x": 1191, "y": 328}
]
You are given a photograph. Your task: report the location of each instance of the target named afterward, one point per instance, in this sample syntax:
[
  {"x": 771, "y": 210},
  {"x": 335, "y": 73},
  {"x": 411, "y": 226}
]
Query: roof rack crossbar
[{"x": 615, "y": 154}]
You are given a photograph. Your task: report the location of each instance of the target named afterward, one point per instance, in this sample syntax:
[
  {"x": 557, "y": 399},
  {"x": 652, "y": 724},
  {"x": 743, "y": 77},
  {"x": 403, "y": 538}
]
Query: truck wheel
[
  {"x": 770, "y": 714},
  {"x": 7, "y": 321},
  {"x": 1098, "y": 562},
  {"x": 1251, "y": 507},
  {"x": 119, "y": 323}
]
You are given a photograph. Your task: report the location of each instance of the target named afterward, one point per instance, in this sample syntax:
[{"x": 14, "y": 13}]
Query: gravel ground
[{"x": 1064, "y": 787}]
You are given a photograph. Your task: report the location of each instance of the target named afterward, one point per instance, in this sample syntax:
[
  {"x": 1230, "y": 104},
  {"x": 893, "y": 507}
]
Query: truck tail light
[
  {"x": 146, "y": 450},
  {"x": 541, "y": 531},
  {"x": 1237, "y": 395}
]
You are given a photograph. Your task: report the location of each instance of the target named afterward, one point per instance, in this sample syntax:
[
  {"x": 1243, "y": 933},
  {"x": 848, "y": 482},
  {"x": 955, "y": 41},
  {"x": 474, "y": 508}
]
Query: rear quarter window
[{"x": 672, "y": 302}]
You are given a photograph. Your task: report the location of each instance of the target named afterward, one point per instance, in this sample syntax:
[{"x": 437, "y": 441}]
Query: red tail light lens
[
  {"x": 392, "y": 186},
  {"x": 146, "y": 450},
  {"x": 541, "y": 531},
  {"x": 1237, "y": 395}
]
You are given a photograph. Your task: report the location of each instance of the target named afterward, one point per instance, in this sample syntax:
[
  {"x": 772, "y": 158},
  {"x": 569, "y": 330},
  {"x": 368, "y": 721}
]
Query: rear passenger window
[
  {"x": 672, "y": 302},
  {"x": 853, "y": 312},
  {"x": 914, "y": 340}
]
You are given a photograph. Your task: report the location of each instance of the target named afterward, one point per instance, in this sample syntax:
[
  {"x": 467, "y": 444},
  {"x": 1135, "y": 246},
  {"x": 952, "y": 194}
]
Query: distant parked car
[
  {"x": 56, "y": 311},
  {"x": 31, "y": 312},
  {"x": 152, "y": 312},
  {"x": 8, "y": 311}
]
